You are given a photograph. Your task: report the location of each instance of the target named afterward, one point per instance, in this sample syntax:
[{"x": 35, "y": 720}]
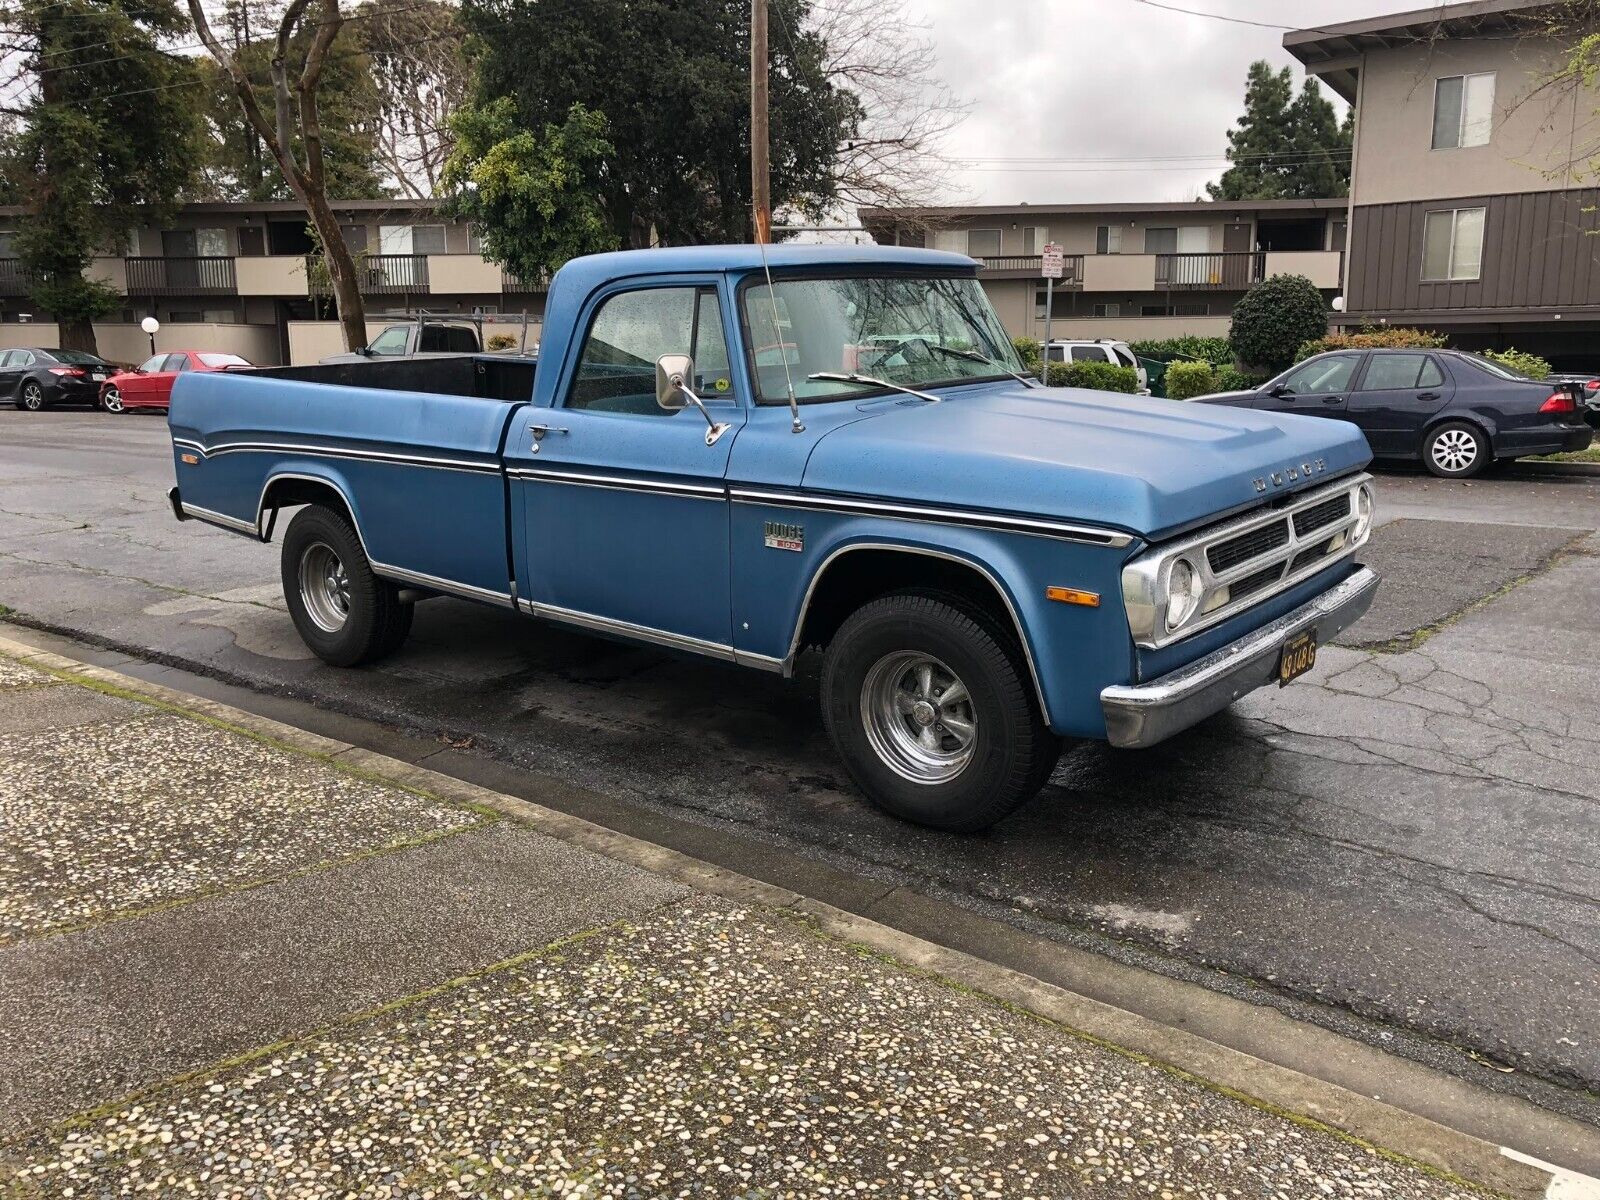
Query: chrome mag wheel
[
  {"x": 325, "y": 587},
  {"x": 113, "y": 400},
  {"x": 1454, "y": 450},
  {"x": 918, "y": 717},
  {"x": 32, "y": 397}
]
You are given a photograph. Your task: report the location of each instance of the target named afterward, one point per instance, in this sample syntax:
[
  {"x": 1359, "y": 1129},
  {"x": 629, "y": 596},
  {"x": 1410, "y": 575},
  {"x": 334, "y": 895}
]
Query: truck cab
[{"x": 757, "y": 453}]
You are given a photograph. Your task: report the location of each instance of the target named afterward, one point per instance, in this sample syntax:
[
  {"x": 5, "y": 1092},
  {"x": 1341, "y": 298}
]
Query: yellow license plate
[{"x": 1299, "y": 656}]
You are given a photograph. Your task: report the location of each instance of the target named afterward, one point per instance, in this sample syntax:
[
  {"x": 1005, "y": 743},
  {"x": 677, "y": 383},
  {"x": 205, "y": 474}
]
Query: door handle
[
  {"x": 539, "y": 432},
  {"x": 1428, "y": 397},
  {"x": 1333, "y": 399}
]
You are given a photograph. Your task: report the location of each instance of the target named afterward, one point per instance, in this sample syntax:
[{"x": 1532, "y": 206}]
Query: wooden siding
[{"x": 1539, "y": 251}]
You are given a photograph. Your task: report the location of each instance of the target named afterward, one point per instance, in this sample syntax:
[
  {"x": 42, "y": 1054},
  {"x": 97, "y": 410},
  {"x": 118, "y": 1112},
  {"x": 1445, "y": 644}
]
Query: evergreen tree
[
  {"x": 1285, "y": 147},
  {"x": 95, "y": 149},
  {"x": 671, "y": 78}
]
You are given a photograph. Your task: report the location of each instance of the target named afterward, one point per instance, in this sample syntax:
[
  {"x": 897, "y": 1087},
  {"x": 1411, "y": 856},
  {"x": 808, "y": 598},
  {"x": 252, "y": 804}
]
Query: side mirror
[
  {"x": 1277, "y": 389},
  {"x": 673, "y": 372}
]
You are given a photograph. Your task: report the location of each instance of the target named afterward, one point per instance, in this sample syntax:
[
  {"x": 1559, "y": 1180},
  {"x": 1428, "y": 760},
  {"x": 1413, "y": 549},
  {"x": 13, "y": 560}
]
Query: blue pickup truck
[{"x": 750, "y": 454}]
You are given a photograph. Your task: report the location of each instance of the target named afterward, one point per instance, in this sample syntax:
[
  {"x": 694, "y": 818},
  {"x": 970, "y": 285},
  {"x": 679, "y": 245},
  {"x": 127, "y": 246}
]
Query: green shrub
[
  {"x": 1215, "y": 351},
  {"x": 1230, "y": 379},
  {"x": 1027, "y": 349},
  {"x": 1372, "y": 338},
  {"x": 1186, "y": 380},
  {"x": 1530, "y": 365},
  {"x": 1096, "y": 376},
  {"x": 501, "y": 341},
  {"x": 1274, "y": 319}
]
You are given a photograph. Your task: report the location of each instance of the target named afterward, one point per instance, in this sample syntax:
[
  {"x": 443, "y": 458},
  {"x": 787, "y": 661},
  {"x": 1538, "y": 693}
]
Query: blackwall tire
[
  {"x": 931, "y": 709},
  {"x": 343, "y": 612},
  {"x": 1456, "y": 450}
]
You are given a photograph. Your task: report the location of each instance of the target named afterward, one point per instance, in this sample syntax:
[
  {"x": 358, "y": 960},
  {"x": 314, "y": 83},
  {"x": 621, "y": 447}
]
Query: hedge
[
  {"x": 1027, "y": 349},
  {"x": 1186, "y": 380},
  {"x": 1274, "y": 318},
  {"x": 1399, "y": 338},
  {"x": 1215, "y": 351},
  {"x": 1229, "y": 379},
  {"x": 1096, "y": 376},
  {"x": 1530, "y": 365}
]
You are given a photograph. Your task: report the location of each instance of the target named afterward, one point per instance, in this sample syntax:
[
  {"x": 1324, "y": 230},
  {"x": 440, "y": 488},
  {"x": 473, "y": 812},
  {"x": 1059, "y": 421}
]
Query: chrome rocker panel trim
[
  {"x": 645, "y": 633},
  {"x": 1141, "y": 715}
]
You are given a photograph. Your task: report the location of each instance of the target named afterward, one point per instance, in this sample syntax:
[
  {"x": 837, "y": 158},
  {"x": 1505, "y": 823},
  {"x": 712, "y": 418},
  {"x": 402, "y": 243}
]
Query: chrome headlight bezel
[{"x": 1147, "y": 595}]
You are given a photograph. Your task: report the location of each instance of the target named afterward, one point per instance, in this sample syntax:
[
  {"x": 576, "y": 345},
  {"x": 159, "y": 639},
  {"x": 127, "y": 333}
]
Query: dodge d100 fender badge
[{"x": 782, "y": 536}]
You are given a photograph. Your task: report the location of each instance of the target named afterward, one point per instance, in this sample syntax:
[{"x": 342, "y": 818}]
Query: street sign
[{"x": 1052, "y": 265}]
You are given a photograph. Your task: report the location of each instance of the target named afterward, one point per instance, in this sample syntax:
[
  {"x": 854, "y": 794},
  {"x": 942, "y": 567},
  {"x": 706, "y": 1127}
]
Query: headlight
[
  {"x": 1183, "y": 593},
  {"x": 1363, "y": 514}
]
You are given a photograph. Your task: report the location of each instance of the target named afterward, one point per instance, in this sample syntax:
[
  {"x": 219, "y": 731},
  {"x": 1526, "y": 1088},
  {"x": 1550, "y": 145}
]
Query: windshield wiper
[
  {"x": 974, "y": 356},
  {"x": 852, "y": 377}
]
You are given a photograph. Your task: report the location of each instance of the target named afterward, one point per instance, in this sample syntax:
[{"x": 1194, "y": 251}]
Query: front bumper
[{"x": 1139, "y": 715}]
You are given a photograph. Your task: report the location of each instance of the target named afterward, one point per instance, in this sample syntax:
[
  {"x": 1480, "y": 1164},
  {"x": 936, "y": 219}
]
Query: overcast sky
[{"x": 1099, "y": 79}]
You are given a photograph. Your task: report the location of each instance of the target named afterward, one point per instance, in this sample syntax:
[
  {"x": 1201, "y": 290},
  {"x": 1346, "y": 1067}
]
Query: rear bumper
[
  {"x": 1554, "y": 439},
  {"x": 1139, "y": 715}
]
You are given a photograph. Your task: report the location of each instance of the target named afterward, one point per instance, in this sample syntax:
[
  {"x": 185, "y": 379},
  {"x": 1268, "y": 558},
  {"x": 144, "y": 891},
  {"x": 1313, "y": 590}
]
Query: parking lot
[{"x": 1400, "y": 846}]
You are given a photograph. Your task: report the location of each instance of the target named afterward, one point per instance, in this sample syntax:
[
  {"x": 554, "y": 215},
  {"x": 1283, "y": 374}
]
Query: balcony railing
[
  {"x": 516, "y": 285},
  {"x": 1231, "y": 271},
  {"x": 1033, "y": 264},
  {"x": 181, "y": 276},
  {"x": 378, "y": 274},
  {"x": 15, "y": 279}
]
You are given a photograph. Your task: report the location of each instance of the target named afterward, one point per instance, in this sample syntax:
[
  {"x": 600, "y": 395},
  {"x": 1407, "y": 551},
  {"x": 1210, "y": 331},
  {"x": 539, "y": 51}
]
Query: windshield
[
  {"x": 222, "y": 360},
  {"x": 909, "y": 331}
]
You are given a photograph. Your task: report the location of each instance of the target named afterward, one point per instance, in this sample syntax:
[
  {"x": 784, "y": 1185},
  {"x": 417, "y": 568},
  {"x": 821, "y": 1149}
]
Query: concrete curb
[
  {"x": 1525, "y": 466},
  {"x": 1285, "y": 1090}
]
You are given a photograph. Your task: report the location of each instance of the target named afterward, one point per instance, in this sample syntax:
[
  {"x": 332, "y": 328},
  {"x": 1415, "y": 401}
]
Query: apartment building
[
  {"x": 238, "y": 277},
  {"x": 1473, "y": 205},
  {"x": 1131, "y": 270}
]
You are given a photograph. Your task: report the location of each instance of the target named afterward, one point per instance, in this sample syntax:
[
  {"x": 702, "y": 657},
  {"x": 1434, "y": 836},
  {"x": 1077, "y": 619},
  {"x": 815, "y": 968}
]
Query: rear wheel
[
  {"x": 1455, "y": 450},
  {"x": 31, "y": 397},
  {"x": 929, "y": 707},
  {"x": 111, "y": 400},
  {"x": 343, "y": 612}
]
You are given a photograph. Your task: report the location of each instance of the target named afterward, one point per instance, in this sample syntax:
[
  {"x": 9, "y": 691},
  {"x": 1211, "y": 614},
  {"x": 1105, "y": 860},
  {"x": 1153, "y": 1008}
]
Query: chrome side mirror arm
[{"x": 714, "y": 429}]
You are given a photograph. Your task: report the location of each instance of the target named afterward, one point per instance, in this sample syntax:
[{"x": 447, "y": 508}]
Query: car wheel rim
[
  {"x": 113, "y": 401},
  {"x": 919, "y": 717},
  {"x": 1455, "y": 450},
  {"x": 32, "y": 397},
  {"x": 325, "y": 587}
]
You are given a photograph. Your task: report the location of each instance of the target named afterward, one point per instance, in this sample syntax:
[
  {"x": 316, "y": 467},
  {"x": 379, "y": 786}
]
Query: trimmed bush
[
  {"x": 501, "y": 341},
  {"x": 1530, "y": 365},
  {"x": 1215, "y": 351},
  {"x": 1274, "y": 319},
  {"x": 1372, "y": 338},
  {"x": 1027, "y": 349},
  {"x": 1096, "y": 376},
  {"x": 1186, "y": 380},
  {"x": 1230, "y": 379}
]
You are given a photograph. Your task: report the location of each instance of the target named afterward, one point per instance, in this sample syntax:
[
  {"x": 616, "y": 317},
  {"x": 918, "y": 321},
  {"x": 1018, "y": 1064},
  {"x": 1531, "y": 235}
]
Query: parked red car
[{"x": 150, "y": 385}]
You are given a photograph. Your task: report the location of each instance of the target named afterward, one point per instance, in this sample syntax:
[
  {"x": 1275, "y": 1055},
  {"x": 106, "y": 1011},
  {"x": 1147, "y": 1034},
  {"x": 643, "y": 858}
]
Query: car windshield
[
  {"x": 222, "y": 360},
  {"x": 80, "y": 357},
  {"x": 915, "y": 332}
]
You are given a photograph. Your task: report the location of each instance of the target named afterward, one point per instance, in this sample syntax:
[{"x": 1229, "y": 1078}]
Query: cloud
[{"x": 1101, "y": 80}]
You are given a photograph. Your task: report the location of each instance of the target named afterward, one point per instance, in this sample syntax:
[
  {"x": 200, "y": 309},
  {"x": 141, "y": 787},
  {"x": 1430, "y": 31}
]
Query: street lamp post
[{"x": 150, "y": 325}]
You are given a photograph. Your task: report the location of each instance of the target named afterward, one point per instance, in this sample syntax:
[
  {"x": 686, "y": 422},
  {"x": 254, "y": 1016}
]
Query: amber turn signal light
[{"x": 1073, "y": 596}]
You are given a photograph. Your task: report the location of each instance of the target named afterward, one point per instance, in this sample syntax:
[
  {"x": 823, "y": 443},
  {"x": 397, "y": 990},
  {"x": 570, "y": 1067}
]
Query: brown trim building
[{"x": 1474, "y": 191}]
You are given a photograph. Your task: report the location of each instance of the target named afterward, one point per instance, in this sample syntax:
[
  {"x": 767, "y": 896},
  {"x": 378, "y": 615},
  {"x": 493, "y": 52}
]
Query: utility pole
[{"x": 760, "y": 164}]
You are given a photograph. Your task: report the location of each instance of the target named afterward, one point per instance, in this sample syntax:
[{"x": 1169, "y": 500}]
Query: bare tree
[
  {"x": 423, "y": 73},
  {"x": 877, "y": 51},
  {"x": 295, "y": 112}
]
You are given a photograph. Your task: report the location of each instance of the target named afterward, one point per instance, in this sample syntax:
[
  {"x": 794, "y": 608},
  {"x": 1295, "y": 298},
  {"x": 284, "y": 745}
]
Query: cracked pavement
[{"x": 1404, "y": 846}]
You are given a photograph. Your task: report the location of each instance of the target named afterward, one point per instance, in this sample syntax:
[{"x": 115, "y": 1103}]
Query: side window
[
  {"x": 176, "y": 362},
  {"x": 149, "y": 364},
  {"x": 20, "y": 358},
  {"x": 1431, "y": 376},
  {"x": 617, "y": 366},
  {"x": 9, "y": 359},
  {"x": 1322, "y": 375},
  {"x": 391, "y": 341},
  {"x": 1125, "y": 357},
  {"x": 1090, "y": 354},
  {"x": 1393, "y": 372}
]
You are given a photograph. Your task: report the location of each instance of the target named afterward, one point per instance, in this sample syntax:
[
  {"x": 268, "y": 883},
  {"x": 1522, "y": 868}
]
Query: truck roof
[{"x": 594, "y": 269}]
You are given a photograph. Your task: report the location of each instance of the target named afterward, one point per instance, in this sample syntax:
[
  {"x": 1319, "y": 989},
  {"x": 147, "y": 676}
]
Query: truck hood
[{"x": 1147, "y": 466}]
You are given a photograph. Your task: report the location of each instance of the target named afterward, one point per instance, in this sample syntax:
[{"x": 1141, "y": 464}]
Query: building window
[
  {"x": 411, "y": 239},
  {"x": 1463, "y": 110},
  {"x": 8, "y": 243},
  {"x": 218, "y": 316},
  {"x": 1108, "y": 239},
  {"x": 1108, "y": 310},
  {"x": 1191, "y": 310},
  {"x": 1155, "y": 310},
  {"x": 1452, "y": 244},
  {"x": 1034, "y": 238},
  {"x": 983, "y": 243}
]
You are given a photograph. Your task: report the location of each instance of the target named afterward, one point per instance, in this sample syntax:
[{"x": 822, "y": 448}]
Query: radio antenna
[{"x": 772, "y": 298}]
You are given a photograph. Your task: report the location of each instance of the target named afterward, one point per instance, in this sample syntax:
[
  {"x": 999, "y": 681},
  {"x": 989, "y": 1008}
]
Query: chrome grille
[
  {"x": 1319, "y": 516},
  {"x": 1235, "y": 550}
]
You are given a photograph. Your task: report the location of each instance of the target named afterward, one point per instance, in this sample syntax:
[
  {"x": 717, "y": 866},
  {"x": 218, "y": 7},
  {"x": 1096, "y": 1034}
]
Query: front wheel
[
  {"x": 929, "y": 706},
  {"x": 31, "y": 397},
  {"x": 1455, "y": 450},
  {"x": 111, "y": 401},
  {"x": 343, "y": 612}
]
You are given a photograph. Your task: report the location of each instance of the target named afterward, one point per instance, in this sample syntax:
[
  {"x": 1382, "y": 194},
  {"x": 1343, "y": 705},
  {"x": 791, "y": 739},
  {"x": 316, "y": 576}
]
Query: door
[
  {"x": 1236, "y": 273},
  {"x": 136, "y": 388},
  {"x": 625, "y": 512},
  {"x": 12, "y": 365},
  {"x": 1318, "y": 387},
  {"x": 1395, "y": 397}
]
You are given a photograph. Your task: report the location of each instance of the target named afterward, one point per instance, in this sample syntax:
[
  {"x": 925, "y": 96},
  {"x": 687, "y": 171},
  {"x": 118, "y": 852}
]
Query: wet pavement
[{"x": 1401, "y": 846}]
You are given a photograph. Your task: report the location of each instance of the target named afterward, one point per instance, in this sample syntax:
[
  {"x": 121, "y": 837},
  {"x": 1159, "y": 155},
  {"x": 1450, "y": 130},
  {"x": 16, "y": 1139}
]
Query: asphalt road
[{"x": 1405, "y": 845}]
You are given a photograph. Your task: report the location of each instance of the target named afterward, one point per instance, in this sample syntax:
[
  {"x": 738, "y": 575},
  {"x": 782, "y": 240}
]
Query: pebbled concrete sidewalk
[{"x": 230, "y": 967}]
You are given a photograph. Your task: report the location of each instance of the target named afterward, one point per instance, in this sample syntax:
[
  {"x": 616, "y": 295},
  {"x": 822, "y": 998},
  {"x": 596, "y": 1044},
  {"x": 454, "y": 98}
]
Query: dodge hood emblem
[{"x": 1290, "y": 474}]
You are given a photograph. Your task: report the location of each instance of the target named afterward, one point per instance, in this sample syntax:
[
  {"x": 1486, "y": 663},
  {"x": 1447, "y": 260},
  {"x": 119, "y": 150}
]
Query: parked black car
[
  {"x": 34, "y": 377},
  {"x": 1455, "y": 411}
]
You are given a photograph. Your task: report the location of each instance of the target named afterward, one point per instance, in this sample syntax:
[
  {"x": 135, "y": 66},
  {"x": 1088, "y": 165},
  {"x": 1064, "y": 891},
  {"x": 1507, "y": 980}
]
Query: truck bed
[{"x": 483, "y": 376}]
